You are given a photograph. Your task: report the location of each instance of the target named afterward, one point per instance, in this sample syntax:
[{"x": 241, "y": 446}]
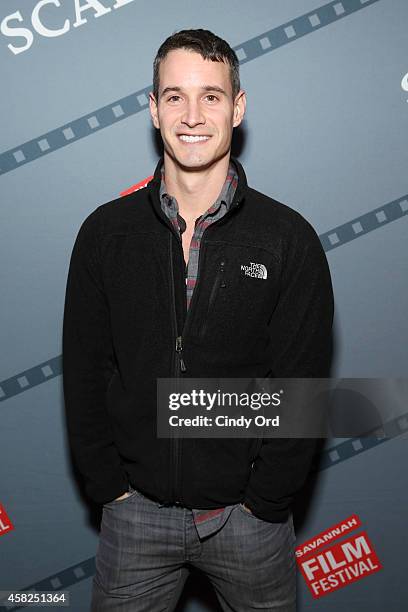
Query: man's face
[{"x": 195, "y": 111}]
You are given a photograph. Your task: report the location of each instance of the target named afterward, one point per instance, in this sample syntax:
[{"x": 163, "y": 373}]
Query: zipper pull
[{"x": 179, "y": 348}]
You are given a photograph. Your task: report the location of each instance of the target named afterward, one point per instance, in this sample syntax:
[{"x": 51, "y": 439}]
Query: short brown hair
[{"x": 208, "y": 45}]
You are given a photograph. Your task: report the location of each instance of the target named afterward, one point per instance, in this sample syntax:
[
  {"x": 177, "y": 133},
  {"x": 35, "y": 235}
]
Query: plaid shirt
[
  {"x": 206, "y": 521},
  {"x": 169, "y": 205}
]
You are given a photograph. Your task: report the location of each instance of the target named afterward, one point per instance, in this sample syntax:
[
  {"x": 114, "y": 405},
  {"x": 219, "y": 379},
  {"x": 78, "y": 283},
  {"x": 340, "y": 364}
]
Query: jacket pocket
[{"x": 219, "y": 283}]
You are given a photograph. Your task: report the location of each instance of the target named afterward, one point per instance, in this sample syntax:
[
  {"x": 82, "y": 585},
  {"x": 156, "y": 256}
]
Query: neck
[{"x": 195, "y": 191}]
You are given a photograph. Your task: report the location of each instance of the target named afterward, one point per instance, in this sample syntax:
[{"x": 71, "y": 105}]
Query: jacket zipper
[{"x": 180, "y": 366}]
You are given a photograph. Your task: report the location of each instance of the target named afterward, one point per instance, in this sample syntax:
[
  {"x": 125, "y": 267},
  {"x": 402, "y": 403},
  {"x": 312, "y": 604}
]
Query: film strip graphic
[
  {"x": 136, "y": 102},
  {"x": 355, "y": 446},
  {"x": 334, "y": 238},
  {"x": 368, "y": 222},
  {"x": 330, "y": 457},
  {"x": 30, "y": 378}
]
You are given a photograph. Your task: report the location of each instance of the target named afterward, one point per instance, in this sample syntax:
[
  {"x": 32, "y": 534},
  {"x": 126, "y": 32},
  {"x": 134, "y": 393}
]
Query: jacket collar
[{"x": 154, "y": 187}]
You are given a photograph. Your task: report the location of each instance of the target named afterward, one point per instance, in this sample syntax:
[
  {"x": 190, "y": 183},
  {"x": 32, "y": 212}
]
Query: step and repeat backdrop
[{"x": 326, "y": 133}]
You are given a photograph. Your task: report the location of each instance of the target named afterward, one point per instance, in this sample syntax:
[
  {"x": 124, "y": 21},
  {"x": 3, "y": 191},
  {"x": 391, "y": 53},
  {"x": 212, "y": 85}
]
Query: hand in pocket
[{"x": 122, "y": 496}]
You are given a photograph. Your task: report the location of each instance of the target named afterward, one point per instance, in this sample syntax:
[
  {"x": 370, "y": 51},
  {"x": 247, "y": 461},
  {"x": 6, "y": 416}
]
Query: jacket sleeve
[
  {"x": 87, "y": 367},
  {"x": 301, "y": 333}
]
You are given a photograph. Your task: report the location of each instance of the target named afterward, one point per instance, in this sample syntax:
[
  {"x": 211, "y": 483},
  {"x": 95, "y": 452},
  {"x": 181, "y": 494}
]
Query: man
[{"x": 195, "y": 275}]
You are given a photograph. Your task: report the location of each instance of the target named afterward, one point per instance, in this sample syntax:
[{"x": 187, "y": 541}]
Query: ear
[
  {"x": 239, "y": 108},
  {"x": 153, "y": 110}
]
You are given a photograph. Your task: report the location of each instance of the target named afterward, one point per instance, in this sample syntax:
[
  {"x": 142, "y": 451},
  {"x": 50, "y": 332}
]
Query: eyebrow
[{"x": 203, "y": 88}]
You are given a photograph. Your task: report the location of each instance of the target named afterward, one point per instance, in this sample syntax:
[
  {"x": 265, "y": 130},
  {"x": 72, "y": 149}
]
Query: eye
[
  {"x": 214, "y": 98},
  {"x": 171, "y": 98}
]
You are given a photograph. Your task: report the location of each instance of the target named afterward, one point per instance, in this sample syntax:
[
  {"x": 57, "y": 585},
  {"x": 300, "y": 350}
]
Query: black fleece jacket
[{"x": 125, "y": 305}]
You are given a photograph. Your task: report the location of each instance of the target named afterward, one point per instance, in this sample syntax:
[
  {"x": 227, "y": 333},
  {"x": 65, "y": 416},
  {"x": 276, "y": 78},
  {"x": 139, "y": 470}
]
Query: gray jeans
[{"x": 145, "y": 550}]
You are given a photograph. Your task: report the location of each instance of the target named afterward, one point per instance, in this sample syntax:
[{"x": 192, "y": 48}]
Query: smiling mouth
[{"x": 193, "y": 139}]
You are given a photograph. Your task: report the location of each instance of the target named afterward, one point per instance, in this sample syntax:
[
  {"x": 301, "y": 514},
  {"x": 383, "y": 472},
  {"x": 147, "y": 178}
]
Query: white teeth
[{"x": 186, "y": 138}]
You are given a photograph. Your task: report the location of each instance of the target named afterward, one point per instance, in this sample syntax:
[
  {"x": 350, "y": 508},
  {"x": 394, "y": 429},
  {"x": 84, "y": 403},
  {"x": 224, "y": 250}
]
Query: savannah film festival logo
[{"x": 328, "y": 568}]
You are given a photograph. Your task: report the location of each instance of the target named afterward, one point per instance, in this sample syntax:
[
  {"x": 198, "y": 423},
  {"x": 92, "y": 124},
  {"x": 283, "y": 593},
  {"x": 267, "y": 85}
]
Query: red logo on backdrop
[
  {"x": 136, "y": 187},
  {"x": 5, "y": 522},
  {"x": 327, "y": 569}
]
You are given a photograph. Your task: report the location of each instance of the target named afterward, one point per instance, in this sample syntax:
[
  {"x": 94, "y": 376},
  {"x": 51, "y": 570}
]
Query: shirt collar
[{"x": 226, "y": 195}]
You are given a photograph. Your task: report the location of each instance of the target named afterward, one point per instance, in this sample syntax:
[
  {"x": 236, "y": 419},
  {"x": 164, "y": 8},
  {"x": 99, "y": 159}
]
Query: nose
[{"x": 193, "y": 115}]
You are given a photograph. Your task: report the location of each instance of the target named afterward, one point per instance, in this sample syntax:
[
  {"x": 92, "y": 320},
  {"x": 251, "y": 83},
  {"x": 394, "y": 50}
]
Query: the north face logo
[{"x": 255, "y": 269}]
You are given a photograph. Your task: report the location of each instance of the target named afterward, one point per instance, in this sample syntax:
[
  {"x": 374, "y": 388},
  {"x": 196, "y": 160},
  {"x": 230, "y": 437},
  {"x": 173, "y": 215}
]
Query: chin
[
  {"x": 196, "y": 161},
  {"x": 192, "y": 163}
]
